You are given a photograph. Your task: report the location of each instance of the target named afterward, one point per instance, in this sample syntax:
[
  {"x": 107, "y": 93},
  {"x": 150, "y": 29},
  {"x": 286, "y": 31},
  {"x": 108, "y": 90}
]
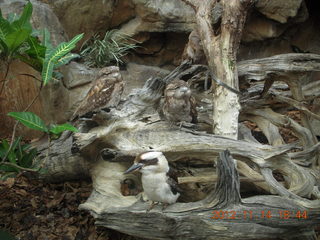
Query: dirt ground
[{"x": 33, "y": 210}]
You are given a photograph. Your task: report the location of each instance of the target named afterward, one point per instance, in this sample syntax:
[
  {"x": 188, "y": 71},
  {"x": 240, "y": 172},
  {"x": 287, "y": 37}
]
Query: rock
[
  {"x": 77, "y": 74},
  {"x": 56, "y": 101},
  {"x": 160, "y": 16},
  {"x": 18, "y": 92},
  {"x": 42, "y": 17},
  {"x": 131, "y": 16},
  {"x": 279, "y": 10},
  {"x": 136, "y": 74},
  {"x": 259, "y": 28},
  {"x": 168, "y": 16},
  {"x": 124, "y": 10},
  {"x": 305, "y": 36},
  {"x": 161, "y": 49},
  {"x": 77, "y": 80},
  {"x": 82, "y": 16}
]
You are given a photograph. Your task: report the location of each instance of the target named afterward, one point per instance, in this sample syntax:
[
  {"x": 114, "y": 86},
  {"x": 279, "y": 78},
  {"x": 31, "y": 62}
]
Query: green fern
[
  {"x": 54, "y": 55},
  {"x": 109, "y": 50}
]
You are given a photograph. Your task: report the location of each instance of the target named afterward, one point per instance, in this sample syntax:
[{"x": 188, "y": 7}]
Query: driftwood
[
  {"x": 104, "y": 152},
  {"x": 222, "y": 214},
  {"x": 220, "y": 24}
]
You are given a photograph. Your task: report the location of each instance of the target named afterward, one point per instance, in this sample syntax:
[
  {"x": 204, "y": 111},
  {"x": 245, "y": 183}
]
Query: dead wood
[
  {"x": 219, "y": 215},
  {"x": 106, "y": 150},
  {"x": 220, "y": 24}
]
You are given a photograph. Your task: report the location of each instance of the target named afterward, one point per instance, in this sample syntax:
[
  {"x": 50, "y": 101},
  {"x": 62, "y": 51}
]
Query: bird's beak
[{"x": 134, "y": 167}]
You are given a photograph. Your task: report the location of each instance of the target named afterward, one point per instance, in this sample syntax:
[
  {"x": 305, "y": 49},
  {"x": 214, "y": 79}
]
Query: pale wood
[{"x": 105, "y": 151}]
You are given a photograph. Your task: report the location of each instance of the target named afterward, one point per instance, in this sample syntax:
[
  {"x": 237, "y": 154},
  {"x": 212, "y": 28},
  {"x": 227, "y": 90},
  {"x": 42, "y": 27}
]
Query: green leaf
[
  {"x": 57, "y": 129},
  {"x": 46, "y": 39},
  {"x": 30, "y": 120},
  {"x": 57, "y": 75},
  {"x": 15, "y": 39},
  {"x": 53, "y": 56},
  {"x": 13, "y": 158},
  {"x": 2, "y": 151},
  {"x": 66, "y": 59},
  {"x": 24, "y": 20},
  {"x": 36, "y": 49},
  {"x": 33, "y": 62},
  {"x": 8, "y": 169},
  {"x": 5, "y": 28},
  {"x": 27, "y": 160},
  {"x": 4, "y": 48},
  {"x": 10, "y": 155},
  {"x": 12, "y": 17}
]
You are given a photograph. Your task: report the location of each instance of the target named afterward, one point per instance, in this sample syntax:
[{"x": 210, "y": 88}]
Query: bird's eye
[{"x": 149, "y": 161}]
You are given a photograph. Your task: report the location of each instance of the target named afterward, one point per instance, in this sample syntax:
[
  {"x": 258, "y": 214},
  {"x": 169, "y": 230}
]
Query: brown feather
[
  {"x": 178, "y": 103},
  {"x": 105, "y": 92}
]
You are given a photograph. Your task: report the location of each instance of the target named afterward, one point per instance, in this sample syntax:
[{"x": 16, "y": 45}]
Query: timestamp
[{"x": 251, "y": 215}]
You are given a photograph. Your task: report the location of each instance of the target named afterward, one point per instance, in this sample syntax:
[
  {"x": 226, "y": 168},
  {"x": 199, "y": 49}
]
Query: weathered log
[
  {"x": 278, "y": 65},
  {"x": 105, "y": 151},
  {"x": 223, "y": 214},
  {"x": 220, "y": 24}
]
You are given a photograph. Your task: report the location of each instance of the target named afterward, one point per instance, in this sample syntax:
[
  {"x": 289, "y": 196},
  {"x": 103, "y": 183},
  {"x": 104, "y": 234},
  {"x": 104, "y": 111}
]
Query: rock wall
[{"x": 162, "y": 27}]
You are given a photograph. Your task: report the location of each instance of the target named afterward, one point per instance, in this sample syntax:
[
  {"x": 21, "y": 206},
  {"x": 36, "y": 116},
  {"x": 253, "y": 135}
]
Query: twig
[
  {"x": 19, "y": 167},
  {"x": 191, "y": 4},
  {"x": 30, "y": 75},
  {"x": 197, "y": 179},
  {"x": 5, "y": 77},
  {"x": 34, "y": 99},
  {"x": 298, "y": 105},
  {"x": 11, "y": 144},
  {"x": 16, "y": 124}
]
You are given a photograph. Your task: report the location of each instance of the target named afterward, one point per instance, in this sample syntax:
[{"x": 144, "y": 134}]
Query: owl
[
  {"x": 194, "y": 49},
  {"x": 105, "y": 92},
  {"x": 178, "y": 104}
]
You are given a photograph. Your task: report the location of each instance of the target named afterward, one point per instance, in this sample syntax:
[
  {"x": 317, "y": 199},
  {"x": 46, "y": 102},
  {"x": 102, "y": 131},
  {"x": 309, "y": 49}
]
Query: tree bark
[
  {"x": 105, "y": 151},
  {"x": 220, "y": 24}
]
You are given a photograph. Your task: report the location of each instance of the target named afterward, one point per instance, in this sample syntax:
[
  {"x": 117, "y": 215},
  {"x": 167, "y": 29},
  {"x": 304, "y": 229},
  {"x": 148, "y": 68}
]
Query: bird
[
  {"x": 105, "y": 92},
  {"x": 178, "y": 104},
  {"x": 156, "y": 184},
  {"x": 193, "y": 50}
]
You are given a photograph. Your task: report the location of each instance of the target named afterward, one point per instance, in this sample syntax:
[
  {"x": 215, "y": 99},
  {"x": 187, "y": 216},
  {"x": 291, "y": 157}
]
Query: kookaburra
[
  {"x": 156, "y": 183},
  {"x": 179, "y": 105}
]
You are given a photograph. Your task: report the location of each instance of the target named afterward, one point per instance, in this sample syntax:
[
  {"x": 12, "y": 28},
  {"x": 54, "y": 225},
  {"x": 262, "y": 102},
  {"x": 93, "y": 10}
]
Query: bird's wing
[
  {"x": 193, "y": 110},
  {"x": 173, "y": 185}
]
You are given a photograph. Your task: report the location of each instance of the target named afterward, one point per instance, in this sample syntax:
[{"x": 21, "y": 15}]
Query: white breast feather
[{"x": 157, "y": 189}]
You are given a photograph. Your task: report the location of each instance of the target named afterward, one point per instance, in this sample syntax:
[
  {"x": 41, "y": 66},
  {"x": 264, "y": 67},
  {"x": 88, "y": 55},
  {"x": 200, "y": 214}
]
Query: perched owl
[
  {"x": 178, "y": 104},
  {"x": 194, "y": 49},
  {"x": 105, "y": 92}
]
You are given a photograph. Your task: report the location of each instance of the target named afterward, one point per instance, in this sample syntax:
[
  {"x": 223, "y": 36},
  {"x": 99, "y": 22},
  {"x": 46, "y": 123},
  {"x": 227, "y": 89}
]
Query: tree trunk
[{"x": 220, "y": 25}]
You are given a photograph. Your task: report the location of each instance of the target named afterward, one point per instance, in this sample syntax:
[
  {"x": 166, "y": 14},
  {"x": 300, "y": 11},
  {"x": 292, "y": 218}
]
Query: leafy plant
[
  {"x": 15, "y": 32},
  {"x": 56, "y": 57},
  {"x": 20, "y": 156},
  {"x": 33, "y": 121},
  {"x": 113, "y": 46},
  {"x": 19, "y": 41}
]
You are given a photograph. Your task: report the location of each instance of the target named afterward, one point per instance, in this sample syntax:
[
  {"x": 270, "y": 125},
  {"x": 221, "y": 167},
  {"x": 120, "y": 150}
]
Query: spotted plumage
[
  {"x": 105, "y": 92},
  {"x": 178, "y": 104}
]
